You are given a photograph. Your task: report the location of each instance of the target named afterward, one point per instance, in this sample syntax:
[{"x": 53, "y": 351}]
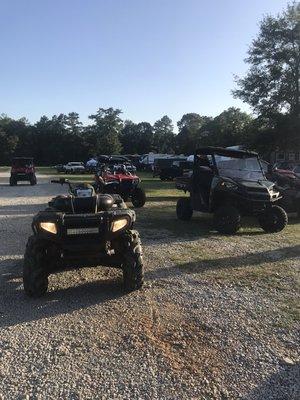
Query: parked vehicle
[
  {"x": 147, "y": 160},
  {"x": 288, "y": 184},
  {"x": 74, "y": 168},
  {"x": 230, "y": 184},
  {"x": 169, "y": 169},
  {"x": 82, "y": 229},
  {"x": 134, "y": 159},
  {"x": 60, "y": 168},
  {"x": 122, "y": 182},
  {"x": 116, "y": 161},
  {"x": 22, "y": 169}
]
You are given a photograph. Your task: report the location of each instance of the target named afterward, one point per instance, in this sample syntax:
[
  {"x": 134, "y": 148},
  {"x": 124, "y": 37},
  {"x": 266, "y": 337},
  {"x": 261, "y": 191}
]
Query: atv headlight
[
  {"x": 49, "y": 227},
  {"x": 119, "y": 224}
]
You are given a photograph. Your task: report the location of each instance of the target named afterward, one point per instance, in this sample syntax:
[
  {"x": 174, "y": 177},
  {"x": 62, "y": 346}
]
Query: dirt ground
[{"x": 218, "y": 317}]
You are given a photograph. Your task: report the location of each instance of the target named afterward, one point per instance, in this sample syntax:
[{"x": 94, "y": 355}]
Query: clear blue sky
[{"x": 147, "y": 57}]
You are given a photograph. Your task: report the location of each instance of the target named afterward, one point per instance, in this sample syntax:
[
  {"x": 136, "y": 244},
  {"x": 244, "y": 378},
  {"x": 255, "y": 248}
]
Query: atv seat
[{"x": 100, "y": 202}]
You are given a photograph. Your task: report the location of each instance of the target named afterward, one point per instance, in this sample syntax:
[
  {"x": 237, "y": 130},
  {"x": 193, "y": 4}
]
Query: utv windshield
[{"x": 240, "y": 168}]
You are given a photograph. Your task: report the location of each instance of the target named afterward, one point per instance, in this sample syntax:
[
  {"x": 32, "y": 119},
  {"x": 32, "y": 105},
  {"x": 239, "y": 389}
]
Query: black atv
[
  {"x": 230, "y": 184},
  {"x": 82, "y": 229}
]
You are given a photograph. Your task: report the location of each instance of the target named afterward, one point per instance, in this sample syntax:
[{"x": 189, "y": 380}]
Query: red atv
[
  {"x": 22, "y": 169},
  {"x": 118, "y": 180}
]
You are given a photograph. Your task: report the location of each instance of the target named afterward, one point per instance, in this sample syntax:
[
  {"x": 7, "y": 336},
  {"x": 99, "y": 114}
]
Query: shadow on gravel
[
  {"x": 17, "y": 308},
  {"x": 284, "y": 385},
  {"x": 245, "y": 260},
  {"x": 21, "y": 209}
]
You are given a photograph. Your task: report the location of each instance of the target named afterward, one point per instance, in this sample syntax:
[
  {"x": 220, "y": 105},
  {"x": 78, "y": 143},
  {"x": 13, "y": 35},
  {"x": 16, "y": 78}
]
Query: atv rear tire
[
  {"x": 184, "y": 210},
  {"x": 138, "y": 197},
  {"x": 35, "y": 276},
  {"x": 227, "y": 219},
  {"x": 12, "y": 181},
  {"x": 133, "y": 270},
  {"x": 274, "y": 219},
  {"x": 32, "y": 180}
]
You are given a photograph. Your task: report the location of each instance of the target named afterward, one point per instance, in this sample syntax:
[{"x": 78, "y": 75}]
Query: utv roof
[{"x": 221, "y": 151}]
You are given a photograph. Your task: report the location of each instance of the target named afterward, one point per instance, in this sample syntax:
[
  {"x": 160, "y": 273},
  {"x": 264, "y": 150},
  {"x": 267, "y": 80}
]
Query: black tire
[
  {"x": 227, "y": 219},
  {"x": 133, "y": 270},
  {"x": 274, "y": 219},
  {"x": 12, "y": 181},
  {"x": 184, "y": 209},
  {"x": 35, "y": 276},
  {"x": 138, "y": 197},
  {"x": 33, "y": 180}
]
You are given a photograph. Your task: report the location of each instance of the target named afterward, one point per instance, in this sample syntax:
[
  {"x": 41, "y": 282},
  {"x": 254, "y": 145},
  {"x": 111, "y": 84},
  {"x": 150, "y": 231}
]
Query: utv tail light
[{"x": 49, "y": 227}]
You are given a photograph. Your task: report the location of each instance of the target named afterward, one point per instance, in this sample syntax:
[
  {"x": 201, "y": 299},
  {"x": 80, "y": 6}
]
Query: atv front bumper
[{"x": 83, "y": 239}]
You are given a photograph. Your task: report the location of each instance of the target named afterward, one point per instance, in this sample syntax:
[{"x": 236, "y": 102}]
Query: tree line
[{"x": 271, "y": 87}]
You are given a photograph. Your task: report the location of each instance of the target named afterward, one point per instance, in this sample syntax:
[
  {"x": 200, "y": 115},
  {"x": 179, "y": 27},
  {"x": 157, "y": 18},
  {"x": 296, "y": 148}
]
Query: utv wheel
[
  {"x": 274, "y": 219},
  {"x": 138, "y": 197},
  {"x": 227, "y": 220},
  {"x": 133, "y": 271},
  {"x": 184, "y": 210},
  {"x": 35, "y": 277}
]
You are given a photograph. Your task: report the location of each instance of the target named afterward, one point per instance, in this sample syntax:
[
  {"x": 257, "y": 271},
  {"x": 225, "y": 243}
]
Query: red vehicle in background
[
  {"x": 22, "y": 169},
  {"x": 288, "y": 184},
  {"x": 117, "y": 180}
]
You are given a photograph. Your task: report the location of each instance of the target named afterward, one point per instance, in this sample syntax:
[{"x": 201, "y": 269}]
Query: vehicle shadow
[
  {"x": 283, "y": 385},
  {"x": 16, "y": 307},
  {"x": 246, "y": 260},
  {"x": 162, "y": 198}
]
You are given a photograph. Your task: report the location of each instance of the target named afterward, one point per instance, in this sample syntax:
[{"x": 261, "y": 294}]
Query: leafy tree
[
  {"x": 272, "y": 84},
  {"x": 163, "y": 138},
  {"x": 231, "y": 127},
  {"x": 8, "y": 144},
  {"x": 104, "y": 133},
  {"x": 72, "y": 123},
  {"x": 190, "y": 132},
  {"x": 136, "y": 138}
]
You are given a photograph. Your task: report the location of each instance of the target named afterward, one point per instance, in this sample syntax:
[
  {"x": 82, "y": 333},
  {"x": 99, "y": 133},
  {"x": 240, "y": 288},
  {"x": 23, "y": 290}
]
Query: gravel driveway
[{"x": 190, "y": 333}]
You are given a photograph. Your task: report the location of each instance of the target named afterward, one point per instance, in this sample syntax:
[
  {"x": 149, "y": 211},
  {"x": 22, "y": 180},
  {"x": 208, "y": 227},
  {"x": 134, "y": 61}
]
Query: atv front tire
[
  {"x": 35, "y": 277},
  {"x": 274, "y": 219},
  {"x": 133, "y": 270},
  {"x": 227, "y": 219},
  {"x": 138, "y": 197},
  {"x": 184, "y": 210}
]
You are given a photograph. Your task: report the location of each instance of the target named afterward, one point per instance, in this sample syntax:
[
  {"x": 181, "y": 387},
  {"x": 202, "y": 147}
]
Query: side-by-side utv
[
  {"x": 82, "y": 229},
  {"x": 230, "y": 184}
]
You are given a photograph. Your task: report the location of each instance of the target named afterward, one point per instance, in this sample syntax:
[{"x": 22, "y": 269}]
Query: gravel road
[{"x": 185, "y": 335}]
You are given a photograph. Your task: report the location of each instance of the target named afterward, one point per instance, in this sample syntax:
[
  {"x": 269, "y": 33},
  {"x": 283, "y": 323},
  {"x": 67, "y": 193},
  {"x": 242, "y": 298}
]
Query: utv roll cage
[{"x": 223, "y": 152}]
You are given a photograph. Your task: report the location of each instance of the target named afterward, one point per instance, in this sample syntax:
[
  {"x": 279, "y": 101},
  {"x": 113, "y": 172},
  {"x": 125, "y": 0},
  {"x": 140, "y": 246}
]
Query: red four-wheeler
[
  {"x": 22, "y": 169},
  {"x": 117, "y": 180}
]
